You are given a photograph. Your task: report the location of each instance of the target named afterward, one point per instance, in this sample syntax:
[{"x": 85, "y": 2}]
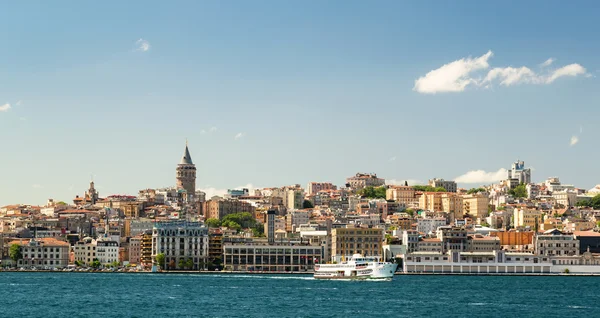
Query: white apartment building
[
  {"x": 107, "y": 252},
  {"x": 430, "y": 225},
  {"x": 180, "y": 240}
]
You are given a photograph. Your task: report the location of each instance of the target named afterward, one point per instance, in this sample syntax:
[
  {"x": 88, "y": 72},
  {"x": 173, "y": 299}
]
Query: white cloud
[
  {"x": 510, "y": 75},
  {"x": 460, "y": 74},
  {"x": 548, "y": 62},
  {"x": 211, "y": 191},
  {"x": 452, "y": 77},
  {"x": 393, "y": 159},
  {"x": 36, "y": 186},
  {"x": 5, "y": 107},
  {"x": 239, "y": 135},
  {"x": 203, "y": 131},
  {"x": 411, "y": 182},
  {"x": 569, "y": 70},
  {"x": 142, "y": 45},
  {"x": 481, "y": 176},
  {"x": 574, "y": 141}
]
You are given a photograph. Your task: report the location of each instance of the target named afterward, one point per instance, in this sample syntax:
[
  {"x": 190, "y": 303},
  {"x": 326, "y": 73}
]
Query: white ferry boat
[{"x": 358, "y": 267}]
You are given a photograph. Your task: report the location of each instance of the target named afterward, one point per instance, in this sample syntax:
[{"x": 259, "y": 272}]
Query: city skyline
[{"x": 271, "y": 94}]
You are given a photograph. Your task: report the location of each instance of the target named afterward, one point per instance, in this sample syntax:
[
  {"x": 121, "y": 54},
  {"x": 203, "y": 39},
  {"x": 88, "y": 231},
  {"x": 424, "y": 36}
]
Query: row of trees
[
  {"x": 238, "y": 221},
  {"x": 186, "y": 263},
  {"x": 591, "y": 203},
  {"x": 475, "y": 190},
  {"x": 426, "y": 188},
  {"x": 372, "y": 192}
]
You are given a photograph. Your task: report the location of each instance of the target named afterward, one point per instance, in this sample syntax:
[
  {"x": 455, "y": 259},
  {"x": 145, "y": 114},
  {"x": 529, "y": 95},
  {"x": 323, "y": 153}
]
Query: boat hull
[{"x": 380, "y": 271}]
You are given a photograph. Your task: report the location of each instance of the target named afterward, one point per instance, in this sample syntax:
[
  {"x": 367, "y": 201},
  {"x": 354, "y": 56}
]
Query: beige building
[
  {"x": 362, "y": 180},
  {"x": 475, "y": 205},
  {"x": 481, "y": 243},
  {"x": 41, "y": 253},
  {"x": 442, "y": 202},
  {"x": 450, "y": 186},
  {"x": 527, "y": 218},
  {"x": 348, "y": 241},
  {"x": 218, "y": 207},
  {"x": 85, "y": 250},
  {"x": 294, "y": 199},
  {"x": 402, "y": 194}
]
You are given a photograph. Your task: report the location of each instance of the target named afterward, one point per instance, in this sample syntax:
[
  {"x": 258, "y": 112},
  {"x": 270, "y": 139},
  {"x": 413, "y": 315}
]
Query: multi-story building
[
  {"x": 215, "y": 246},
  {"x": 135, "y": 250},
  {"x": 294, "y": 199},
  {"x": 362, "y": 180},
  {"x": 410, "y": 239},
  {"x": 146, "y": 258},
  {"x": 442, "y": 202},
  {"x": 478, "y": 243},
  {"x": 402, "y": 194},
  {"x": 553, "y": 184},
  {"x": 518, "y": 174},
  {"x": 426, "y": 226},
  {"x": 346, "y": 242},
  {"x": 450, "y": 186},
  {"x": 429, "y": 245},
  {"x": 85, "y": 250},
  {"x": 295, "y": 218},
  {"x": 271, "y": 258},
  {"x": 181, "y": 240},
  {"x": 46, "y": 252},
  {"x": 527, "y": 218},
  {"x": 555, "y": 243},
  {"x": 514, "y": 239},
  {"x": 475, "y": 205},
  {"x": 107, "y": 252},
  {"x": 565, "y": 198},
  {"x": 453, "y": 238},
  {"x": 315, "y": 187},
  {"x": 217, "y": 208}
]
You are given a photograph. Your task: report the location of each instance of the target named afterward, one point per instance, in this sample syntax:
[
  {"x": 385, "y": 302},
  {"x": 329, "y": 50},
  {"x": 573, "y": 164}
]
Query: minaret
[{"x": 186, "y": 174}]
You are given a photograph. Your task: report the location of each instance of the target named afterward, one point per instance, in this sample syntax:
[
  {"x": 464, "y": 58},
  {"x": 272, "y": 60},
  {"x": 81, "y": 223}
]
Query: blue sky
[{"x": 316, "y": 90}]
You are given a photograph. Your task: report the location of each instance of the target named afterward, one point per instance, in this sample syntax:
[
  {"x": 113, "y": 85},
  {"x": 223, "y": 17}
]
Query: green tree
[
  {"x": 244, "y": 219},
  {"x": 95, "y": 263},
  {"x": 258, "y": 230},
  {"x": 160, "y": 260},
  {"x": 307, "y": 205},
  {"x": 475, "y": 190},
  {"x": 189, "y": 263},
  {"x": 114, "y": 264},
  {"x": 410, "y": 212},
  {"x": 181, "y": 264},
  {"x": 232, "y": 225},
  {"x": 372, "y": 192},
  {"x": 519, "y": 191},
  {"x": 591, "y": 203},
  {"x": 212, "y": 222},
  {"x": 427, "y": 188},
  {"x": 15, "y": 253}
]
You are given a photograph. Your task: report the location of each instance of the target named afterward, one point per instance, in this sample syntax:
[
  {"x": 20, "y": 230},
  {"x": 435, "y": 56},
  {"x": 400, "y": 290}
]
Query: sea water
[{"x": 40, "y": 294}]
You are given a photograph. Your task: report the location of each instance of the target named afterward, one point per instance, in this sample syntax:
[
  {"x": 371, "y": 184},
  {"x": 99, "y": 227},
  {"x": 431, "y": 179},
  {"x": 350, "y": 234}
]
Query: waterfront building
[
  {"x": 84, "y": 251},
  {"x": 410, "y": 240},
  {"x": 293, "y": 257},
  {"x": 555, "y": 243},
  {"x": 363, "y": 180},
  {"x": 514, "y": 239},
  {"x": 484, "y": 262},
  {"x": 181, "y": 240},
  {"x": 215, "y": 246},
  {"x": 107, "y": 251},
  {"x": 348, "y": 241},
  {"x": 186, "y": 174},
  {"x": 453, "y": 238},
  {"x": 478, "y": 243},
  {"x": 135, "y": 250},
  {"x": 146, "y": 258},
  {"x": 450, "y": 186},
  {"x": 45, "y": 252}
]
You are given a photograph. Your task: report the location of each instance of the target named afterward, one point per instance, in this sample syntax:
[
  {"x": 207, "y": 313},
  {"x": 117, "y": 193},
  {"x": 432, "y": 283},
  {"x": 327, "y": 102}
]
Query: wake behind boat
[{"x": 358, "y": 267}]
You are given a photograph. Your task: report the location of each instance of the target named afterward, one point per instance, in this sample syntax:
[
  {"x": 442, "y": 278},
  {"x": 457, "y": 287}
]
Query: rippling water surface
[{"x": 229, "y": 295}]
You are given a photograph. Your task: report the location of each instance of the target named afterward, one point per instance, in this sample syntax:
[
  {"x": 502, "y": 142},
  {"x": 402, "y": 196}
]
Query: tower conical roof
[{"x": 187, "y": 159}]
